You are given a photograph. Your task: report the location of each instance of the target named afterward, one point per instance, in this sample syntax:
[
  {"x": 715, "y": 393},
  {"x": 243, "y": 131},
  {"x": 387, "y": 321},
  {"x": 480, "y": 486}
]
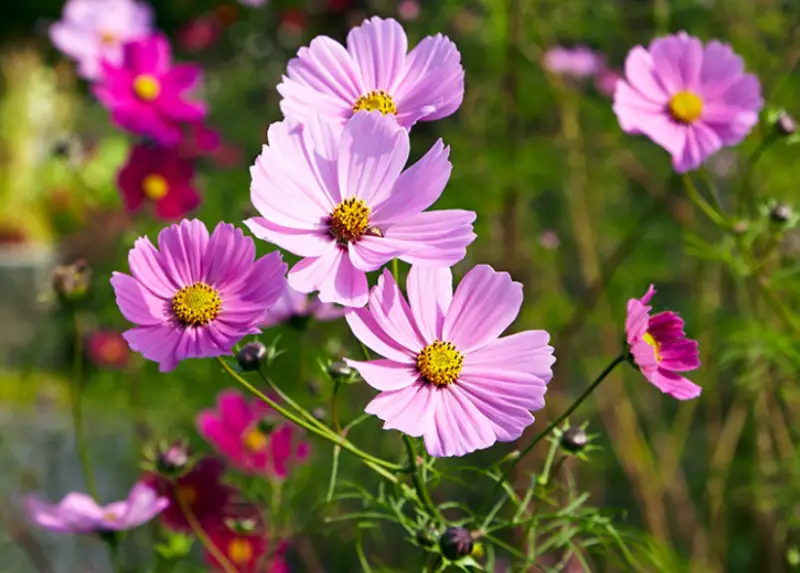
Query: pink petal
[
  {"x": 458, "y": 427},
  {"x": 321, "y": 141},
  {"x": 378, "y": 48},
  {"x": 527, "y": 351},
  {"x": 701, "y": 142},
  {"x": 219, "y": 435},
  {"x": 641, "y": 75},
  {"x": 366, "y": 330},
  {"x": 226, "y": 259},
  {"x": 433, "y": 238},
  {"x": 137, "y": 304},
  {"x": 149, "y": 56},
  {"x": 385, "y": 375},
  {"x": 301, "y": 242},
  {"x": 673, "y": 384},
  {"x": 392, "y": 313},
  {"x": 430, "y": 290},
  {"x": 507, "y": 420},
  {"x": 721, "y": 68},
  {"x": 409, "y": 410},
  {"x": 148, "y": 267},
  {"x": 334, "y": 276},
  {"x": 519, "y": 389},
  {"x": 181, "y": 78},
  {"x": 156, "y": 343},
  {"x": 371, "y": 253}
]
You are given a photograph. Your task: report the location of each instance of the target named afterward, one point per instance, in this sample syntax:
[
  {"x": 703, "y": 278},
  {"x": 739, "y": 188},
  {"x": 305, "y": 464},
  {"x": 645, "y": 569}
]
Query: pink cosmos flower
[
  {"x": 578, "y": 62},
  {"x": 161, "y": 177},
  {"x": 94, "y": 30},
  {"x": 195, "y": 296},
  {"x": 660, "y": 348},
  {"x": 79, "y": 513},
  {"x": 689, "y": 98},
  {"x": 446, "y": 375},
  {"x": 297, "y": 308},
  {"x": 146, "y": 94},
  {"x": 248, "y": 552},
  {"x": 243, "y": 432},
  {"x": 107, "y": 349},
  {"x": 375, "y": 72},
  {"x": 339, "y": 199}
]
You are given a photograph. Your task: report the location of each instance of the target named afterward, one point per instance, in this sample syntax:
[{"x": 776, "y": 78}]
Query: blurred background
[{"x": 583, "y": 215}]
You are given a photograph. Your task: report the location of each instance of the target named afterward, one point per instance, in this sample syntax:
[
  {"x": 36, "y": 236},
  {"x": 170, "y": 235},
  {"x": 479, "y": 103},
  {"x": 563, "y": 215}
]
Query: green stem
[
  {"x": 201, "y": 535},
  {"x": 544, "y": 478},
  {"x": 419, "y": 485},
  {"x": 705, "y": 207},
  {"x": 335, "y": 409},
  {"x": 77, "y": 410},
  {"x": 396, "y": 270},
  {"x": 745, "y": 198}
]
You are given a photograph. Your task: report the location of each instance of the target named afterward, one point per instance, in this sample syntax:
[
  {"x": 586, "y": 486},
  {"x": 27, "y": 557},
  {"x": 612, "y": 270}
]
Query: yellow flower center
[
  {"x": 108, "y": 38},
  {"x": 196, "y": 305},
  {"x": 648, "y": 338},
  {"x": 155, "y": 186},
  {"x": 376, "y": 100},
  {"x": 349, "y": 220},
  {"x": 146, "y": 87},
  {"x": 110, "y": 516},
  {"x": 440, "y": 363},
  {"x": 255, "y": 440},
  {"x": 187, "y": 494},
  {"x": 240, "y": 551},
  {"x": 685, "y": 106}
]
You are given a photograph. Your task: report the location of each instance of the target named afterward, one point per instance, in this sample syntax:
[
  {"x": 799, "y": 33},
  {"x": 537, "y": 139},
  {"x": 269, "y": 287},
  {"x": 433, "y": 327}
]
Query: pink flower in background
[
  {"x": 146, "y": 94},
  {"x": 579, "y": 62},
  {"x": 296, "y": 307},
  {"x": 241, "y": 430},
  {"x": 688, "y": 98},
  {"x": 374, "y": 73},
  {"x": 252, "y": 3},
  {"x": 160, "y": 177},
  {"x": 339, "y": 199},
  {"x": 199, "y": 491},
  {"x": 107, "y": 349},
  {"x": 79, "y": 513},
  {"x": 248, "y": 552},
  {"x": 199, "y": 140},
  {"x": 199, "y": 34},
  {"x": 95, "y": 30},
  {"x": 195, "y": 296},
  {"x": 408, "y": 10},
  {"x": 446, "y": 375},
  {"x": 660, "y": 348},
  {"x": 606, "y": 80}
]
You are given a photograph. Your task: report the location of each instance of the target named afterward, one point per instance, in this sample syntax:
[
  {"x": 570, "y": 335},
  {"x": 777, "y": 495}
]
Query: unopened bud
[
  {"x": 427, "y": 536},
  {"x": 167, "y": 459},
  {"x": 251, "y": 356},
  {"x": 574, "y": 439},
  {"x": 785, "y": 124},
  {"x": 72, "y": 281},
  {"x": 340, "y": 371},
  {"x": 320, "y": 414},
  {"x": 455, "y": 543},
  {"x": 780, "y": 213}
]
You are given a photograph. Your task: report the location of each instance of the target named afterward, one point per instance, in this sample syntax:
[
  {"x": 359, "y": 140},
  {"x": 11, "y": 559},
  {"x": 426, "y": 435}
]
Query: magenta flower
[
  {"x": 578, "y": 62},
  {"x": 297, "y": 308},
  {"x": 79, "y": 513},
  {"x": 446, "y": 375},
  {"x": 374, "y": 73},
  {"x": 196, "y": 296},
  {"x": 242, "y": 431},
  {"x": 146, "y": 94},
  {"x": 94, "y": 30},
  {"x": 606, "y": 81},
  {"x": 660, "y": 348},
  {"x": 341, "y": 201},
  {"x": 107, "y": 349},
  {"x": 688, "y": 98}
]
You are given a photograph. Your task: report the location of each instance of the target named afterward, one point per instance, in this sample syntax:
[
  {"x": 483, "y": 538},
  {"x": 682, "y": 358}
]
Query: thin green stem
[
  {"x": 419, "y": 485},
  {"x": 285, "y": 398},
  {"x": 201, "y": 535},
  {"x": 335, "y": 409},
  {"x": 718, "y": 218},
  {"x": 745, "y": 198},
  {"x": 544, "y": 478},
  {"x": 77, "y": 409},
  {"x": 396, "y": 270}
]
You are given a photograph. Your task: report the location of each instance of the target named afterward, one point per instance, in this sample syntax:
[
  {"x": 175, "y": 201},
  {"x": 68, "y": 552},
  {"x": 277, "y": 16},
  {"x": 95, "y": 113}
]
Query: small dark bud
[
  {"x": 251, "y": 356},
  {"x": 72, "y": 281},
  {"x": 314, "y": 388},
  {"x": 62, "y": 148},
  {"x": 780, "y": 213},
  {"x": 266, "y": 425},
  {"x": 455, "y": 543},
  {"x": 167, "y": 459},
  {"x": 340, "y": 371},
  {"x": 785, "y": 124},
  {"x": 427, "y": 536},
  {"x": 574, "y": 439}
]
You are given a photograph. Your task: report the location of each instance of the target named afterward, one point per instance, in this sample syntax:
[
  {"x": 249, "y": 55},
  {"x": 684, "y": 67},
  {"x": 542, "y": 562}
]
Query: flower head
[
  {"x": 249, "y": 552},
  {"x": 689, "y": 98},
  {"x": 79, "y": 513},
  {"x": 161, "y": 177},
  {"x": 94, "y": 30},
  {"x": 341, "y": 201},
  {"x": 297, "y": 308},
  {"x": 146, "y": 94},
  {"x": 375, "y": 72},
  {"x": 660, "y": 348},
  {"x": 195, "y": 296},
  {"x": 198, "y": 491},
  {"x": 578, "y": 62},
  {"x": 446, "y": 375},
  {"x": 241, "y": 431},
  {"x": 107, "y": 349}
]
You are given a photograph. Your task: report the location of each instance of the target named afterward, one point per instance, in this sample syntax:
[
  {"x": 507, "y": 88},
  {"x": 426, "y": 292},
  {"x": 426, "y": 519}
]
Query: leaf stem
[
  {"x": 77, "y": 409},
  {"x": 419, "y": 485}
]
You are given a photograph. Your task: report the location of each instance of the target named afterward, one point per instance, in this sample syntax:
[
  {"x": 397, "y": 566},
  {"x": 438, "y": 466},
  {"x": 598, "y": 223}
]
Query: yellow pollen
[
  {"x": 196, "y": 305},
  {"x": 254, "y": 440},
  {"x": 108, "y": 38},
  {"x": 685, "y": 106},
  {"x": 240, "y": 551},
  {"x": 648, "y": 338},
  {"x": 440, "y": 363},
  {"x": 350, "y": 220},
  {"x": 155, "y": 186},
  {"x": 110, "y": 516},
  {"x": 187, "y": 494},
  {"x": 146, "y": 87},
  {"x": 376, "y": 100}
]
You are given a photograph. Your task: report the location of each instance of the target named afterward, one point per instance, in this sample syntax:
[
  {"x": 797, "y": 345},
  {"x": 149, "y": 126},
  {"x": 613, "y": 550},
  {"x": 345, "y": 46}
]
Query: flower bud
[
  {"x": 340, "y": 372},
  {"x": 780, "y": 213},
  {"x": 785, "y": 124},
  {"x": 251, "y": 356},
  {"x": 455, "y": 543},
  {"x": 320, "y": 414},
  {"x": 170, "y": 460},
  {"x": 427, "y": 536},
  {"x": 574, "y": 439},
  {"x": 72, "y": 281}
]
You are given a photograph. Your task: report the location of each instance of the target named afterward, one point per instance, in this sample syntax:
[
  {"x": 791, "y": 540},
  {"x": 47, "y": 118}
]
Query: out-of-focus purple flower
[
  {"x": 107, "y": 349},
  {"x": 549, "y": 240},
  {"x": 199, "y": 33},
  {"x": 408, "y": 10},
  {"x": 295, "y": 306},
  {"x": 606, "y": 80},
  {"x": 146, "y": 93},
  {"x": 95, "y": 30},
  {"x": 578, "y": 62},
  {"x": 79, "y": 513}
]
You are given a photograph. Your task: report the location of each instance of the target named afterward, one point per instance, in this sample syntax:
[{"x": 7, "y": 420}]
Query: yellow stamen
[
  {"x": 196, "y": 305},
  {"x": 110, "y": 516},
  {"x": 155, "y": 187},
  {"x": 686, "y": 106},
  {"x": 146, "y": 87},
  {"x": 376, "y": 100},
  {"x": 108, "y": 38},
  {"x": 349, "y": 220},
  {"x": 254, "y": 440},
  {"x": 240, "y": 551},
  {"x": 648, "y": 338},
  {"x": 440, "y": 363}
]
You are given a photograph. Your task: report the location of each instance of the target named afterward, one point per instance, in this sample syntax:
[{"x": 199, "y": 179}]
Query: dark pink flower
[
  {"x": 146, "y": 94},
  {"x": 660, "y": 348},
  {"x": 199, "y": 140},
  {"x": 249, "y": 552},
  {"x": 241, "y": 431},
  {"x": 161, "y": 177},
  {"x": 107, "y": 349}
]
